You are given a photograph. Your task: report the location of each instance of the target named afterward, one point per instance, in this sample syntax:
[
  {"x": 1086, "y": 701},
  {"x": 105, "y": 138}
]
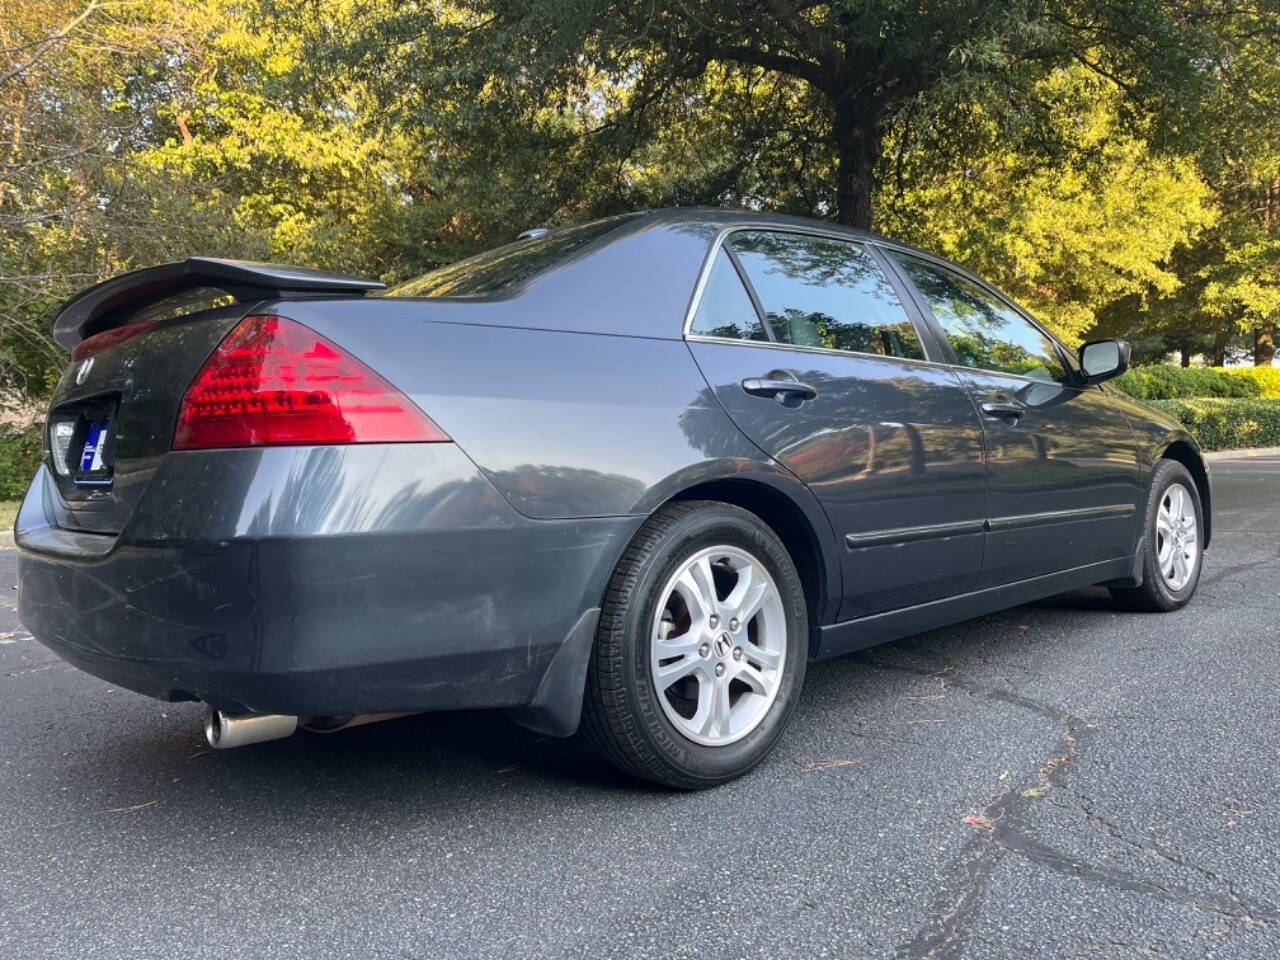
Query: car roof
[{"x": 724, "y": 217}]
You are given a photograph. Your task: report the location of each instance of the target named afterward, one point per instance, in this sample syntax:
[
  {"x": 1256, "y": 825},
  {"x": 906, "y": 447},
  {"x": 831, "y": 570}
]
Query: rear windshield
[
  {"x": 496, "y": 271},
  {"x": 182, "y": 304}
]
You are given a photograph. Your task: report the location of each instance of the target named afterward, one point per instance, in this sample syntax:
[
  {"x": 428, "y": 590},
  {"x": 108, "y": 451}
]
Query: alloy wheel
[
  {"x": 718, "y": 645},
  {"x": 1177, "y": 540}
]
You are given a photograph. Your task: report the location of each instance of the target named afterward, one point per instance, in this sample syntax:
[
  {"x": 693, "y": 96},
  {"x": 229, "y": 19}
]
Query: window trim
[
  {"x": 732, "y": 256},
  {"x": 910, "y": 309},
  {"x": 761, "y": 318}
]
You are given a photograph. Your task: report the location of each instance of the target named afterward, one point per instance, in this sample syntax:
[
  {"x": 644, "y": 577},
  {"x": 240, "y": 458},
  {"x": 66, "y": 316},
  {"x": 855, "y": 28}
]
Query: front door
[
  {"x": 1062, "y": 476},
  {"x": 807, "y": 345}
]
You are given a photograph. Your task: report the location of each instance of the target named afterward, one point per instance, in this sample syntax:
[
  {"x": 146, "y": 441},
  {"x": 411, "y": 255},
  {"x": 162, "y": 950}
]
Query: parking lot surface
[{"x": 1059, "y": 780}]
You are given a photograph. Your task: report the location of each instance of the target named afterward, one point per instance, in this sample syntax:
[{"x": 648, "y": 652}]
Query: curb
[{"x": 1241, "y": 454}]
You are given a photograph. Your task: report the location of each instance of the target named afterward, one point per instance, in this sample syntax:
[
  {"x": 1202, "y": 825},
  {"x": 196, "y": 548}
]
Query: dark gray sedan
[{"x": 629, "y": 476}]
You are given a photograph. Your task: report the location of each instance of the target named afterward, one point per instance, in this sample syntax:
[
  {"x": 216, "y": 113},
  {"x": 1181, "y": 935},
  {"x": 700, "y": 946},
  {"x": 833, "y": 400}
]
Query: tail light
[{"x": 273, "y": 381}]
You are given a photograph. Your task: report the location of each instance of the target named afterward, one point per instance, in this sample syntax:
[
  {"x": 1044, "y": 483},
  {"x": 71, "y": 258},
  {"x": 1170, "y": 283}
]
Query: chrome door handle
[
  {"x": 1003, "y": 408},
  {"x": 762, "y": 387}
]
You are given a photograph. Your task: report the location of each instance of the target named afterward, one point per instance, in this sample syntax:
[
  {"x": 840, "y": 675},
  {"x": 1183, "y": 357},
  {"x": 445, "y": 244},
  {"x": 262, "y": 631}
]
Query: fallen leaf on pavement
[{"x": 816, "y": 765}]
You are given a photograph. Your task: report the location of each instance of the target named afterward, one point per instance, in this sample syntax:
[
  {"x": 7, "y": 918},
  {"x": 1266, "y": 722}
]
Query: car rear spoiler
[{"x": 112, "y": 302}]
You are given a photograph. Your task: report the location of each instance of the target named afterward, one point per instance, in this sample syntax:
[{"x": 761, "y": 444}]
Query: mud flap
[
  {"x": 1135, "y": 578},
  {"x": 556, "y": 708}
]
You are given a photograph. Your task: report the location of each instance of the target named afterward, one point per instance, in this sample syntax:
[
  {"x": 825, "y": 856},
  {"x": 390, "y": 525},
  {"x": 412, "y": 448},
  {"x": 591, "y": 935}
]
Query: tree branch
[
  {"x": 49, "y": 41},
  {"x": 768, "y": 60}
]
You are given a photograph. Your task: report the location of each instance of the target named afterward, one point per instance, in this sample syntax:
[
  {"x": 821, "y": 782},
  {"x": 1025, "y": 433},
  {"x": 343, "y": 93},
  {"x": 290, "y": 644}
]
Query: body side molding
[
  {"x": 1061, "y": 516},
  {"x": 876, "y": 538}
]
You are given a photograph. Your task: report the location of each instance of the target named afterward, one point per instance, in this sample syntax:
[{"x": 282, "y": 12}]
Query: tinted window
[
  {"x": 506, "y": 267},
  {"x": 984, "y": 331},
  {"x": 725, "y": 309},
  {"x": 824, "y": 292}
]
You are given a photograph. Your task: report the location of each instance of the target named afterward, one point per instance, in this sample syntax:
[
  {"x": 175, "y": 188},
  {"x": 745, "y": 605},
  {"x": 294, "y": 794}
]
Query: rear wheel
[
  {"x": 1172, "y": 543},
  {"x": 700, "y": 653}
]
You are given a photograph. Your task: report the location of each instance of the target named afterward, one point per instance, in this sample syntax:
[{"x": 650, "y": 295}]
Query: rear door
[
  {"x": 806, "y": 342},
  {"x": 1062, "y": 476}
]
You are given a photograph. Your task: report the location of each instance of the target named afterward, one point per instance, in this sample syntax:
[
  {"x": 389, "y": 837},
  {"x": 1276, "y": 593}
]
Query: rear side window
[
  {"x": 825, "y": 292},
  {"x": 725, "y": 309},
  {"x": 984, "y": 331}
]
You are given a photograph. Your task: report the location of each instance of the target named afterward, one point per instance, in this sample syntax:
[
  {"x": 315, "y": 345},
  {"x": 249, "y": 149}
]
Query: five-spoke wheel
[
  {"x": 1172, "y": 542},
  {"x": 718, "y": 646},
  {"x": 1177, "y": 545},
  {"x": 701, "y": 648}
]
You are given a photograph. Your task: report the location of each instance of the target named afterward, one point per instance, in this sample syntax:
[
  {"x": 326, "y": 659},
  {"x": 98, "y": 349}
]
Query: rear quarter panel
[{"x": 565, "y": 424}]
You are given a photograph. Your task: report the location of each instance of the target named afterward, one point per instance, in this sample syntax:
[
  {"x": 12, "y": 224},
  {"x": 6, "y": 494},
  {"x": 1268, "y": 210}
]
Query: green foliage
[
  {"x": 1105, "y": 163},
  {"x": 20, "y": 454},
  {"x": 1267, "y": 378},
  {"x": 1167, "y": 383},
  {"x": 1234, "y": 424},
  {"x": 1096, "y": 225}
]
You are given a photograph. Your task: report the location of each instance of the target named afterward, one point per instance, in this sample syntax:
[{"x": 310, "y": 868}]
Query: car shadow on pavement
[{"x": 430, "y": 766}]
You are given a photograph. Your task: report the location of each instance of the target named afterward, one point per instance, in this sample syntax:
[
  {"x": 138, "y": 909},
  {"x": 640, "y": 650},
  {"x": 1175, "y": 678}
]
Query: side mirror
[{"x": 1103, "y": 359}]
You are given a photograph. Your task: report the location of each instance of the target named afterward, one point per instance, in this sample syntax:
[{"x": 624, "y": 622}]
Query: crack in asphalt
[
  {"x": 945, "y": 937},
  {"x": 1217, "y": 576}
]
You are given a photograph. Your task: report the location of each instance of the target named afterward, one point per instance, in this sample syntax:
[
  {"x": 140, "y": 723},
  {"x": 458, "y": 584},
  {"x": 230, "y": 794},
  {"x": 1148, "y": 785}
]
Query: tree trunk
[
  {"x": 1186, "y": 356},
  {"x": 857, "y": 135},
  {"x": 1264, "y": 345},
  {"x": 1220, "y": 349}
]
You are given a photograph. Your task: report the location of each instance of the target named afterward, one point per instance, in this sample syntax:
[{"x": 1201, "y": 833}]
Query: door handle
[
  {"x": 780, "y": 389},
  {"x": 1004, "y": 408}
]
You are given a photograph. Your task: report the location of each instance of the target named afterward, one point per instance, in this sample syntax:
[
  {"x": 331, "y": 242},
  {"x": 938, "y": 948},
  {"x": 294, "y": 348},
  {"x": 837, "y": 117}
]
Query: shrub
[
  {"x": 1167, "y": 383},
  {"x": 1267, "y": 378},
  {"x": 19, "y": 458},
  {"x": 1219, "y": 424}
]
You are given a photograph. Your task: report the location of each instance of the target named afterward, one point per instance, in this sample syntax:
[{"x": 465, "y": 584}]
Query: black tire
[
  {"x": 1156, "y": 595},
  {"x": 622, "y": 716}
]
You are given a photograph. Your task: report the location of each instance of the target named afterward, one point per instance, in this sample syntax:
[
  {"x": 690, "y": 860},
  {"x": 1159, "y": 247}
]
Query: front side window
[
  {"x": 825, "y": 292},
  {"x": 725, "y": 309},
  {"x": 984, "y": 332}
]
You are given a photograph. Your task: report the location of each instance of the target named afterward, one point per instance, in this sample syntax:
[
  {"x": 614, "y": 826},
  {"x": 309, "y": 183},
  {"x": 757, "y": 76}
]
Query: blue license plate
[{"x": 94, "y": 442}]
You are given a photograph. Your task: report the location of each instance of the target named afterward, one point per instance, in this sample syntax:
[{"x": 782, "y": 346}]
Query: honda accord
[{"x": 629, "y": 477}]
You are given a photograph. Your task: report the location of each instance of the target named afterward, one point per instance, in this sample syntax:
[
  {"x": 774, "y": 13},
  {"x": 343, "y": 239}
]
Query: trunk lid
[{"x": 112, "y": 415}]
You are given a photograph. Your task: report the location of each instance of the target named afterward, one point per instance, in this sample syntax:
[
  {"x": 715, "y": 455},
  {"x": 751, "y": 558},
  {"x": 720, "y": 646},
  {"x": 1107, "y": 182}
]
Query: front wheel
[
  {"x": 1172, "y": 544},
  {"x": 701, "y": 649}
]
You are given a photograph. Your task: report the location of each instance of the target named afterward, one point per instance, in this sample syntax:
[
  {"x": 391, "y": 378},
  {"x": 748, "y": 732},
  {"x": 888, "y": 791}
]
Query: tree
[
  {"x": 1229, "y": 275},
  {"x": 862, "y": 63},
  {"x": 77, "y": 90}
]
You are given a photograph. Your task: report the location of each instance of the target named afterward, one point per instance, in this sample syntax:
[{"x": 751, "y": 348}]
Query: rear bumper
[{"x": 319, "y": 581}]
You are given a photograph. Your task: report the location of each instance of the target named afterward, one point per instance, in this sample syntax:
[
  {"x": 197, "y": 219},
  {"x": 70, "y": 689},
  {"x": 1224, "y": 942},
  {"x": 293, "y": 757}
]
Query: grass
[{"x": 8, "y": 513}]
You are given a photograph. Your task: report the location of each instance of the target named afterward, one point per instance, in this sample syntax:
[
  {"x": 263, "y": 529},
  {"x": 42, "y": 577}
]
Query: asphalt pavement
[{"x": 1059, "y": 780}]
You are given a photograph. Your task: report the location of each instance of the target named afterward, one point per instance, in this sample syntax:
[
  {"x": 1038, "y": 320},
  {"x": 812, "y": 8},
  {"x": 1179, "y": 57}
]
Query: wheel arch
[
  {"x": 1186, "y": 453},
  {"x": 789, "y": 521}
]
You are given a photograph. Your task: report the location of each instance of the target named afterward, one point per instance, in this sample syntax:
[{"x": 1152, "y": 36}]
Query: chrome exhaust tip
[{"x": 227, "y": 730}]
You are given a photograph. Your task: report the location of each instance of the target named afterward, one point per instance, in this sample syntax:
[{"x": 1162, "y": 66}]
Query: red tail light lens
[{"x": 273, "y": 381}]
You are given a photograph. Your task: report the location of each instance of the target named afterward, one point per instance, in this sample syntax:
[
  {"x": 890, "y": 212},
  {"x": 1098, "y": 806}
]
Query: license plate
[
  {"x": 82, "y": 443},
  {"x": 95, "y": 442}
]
